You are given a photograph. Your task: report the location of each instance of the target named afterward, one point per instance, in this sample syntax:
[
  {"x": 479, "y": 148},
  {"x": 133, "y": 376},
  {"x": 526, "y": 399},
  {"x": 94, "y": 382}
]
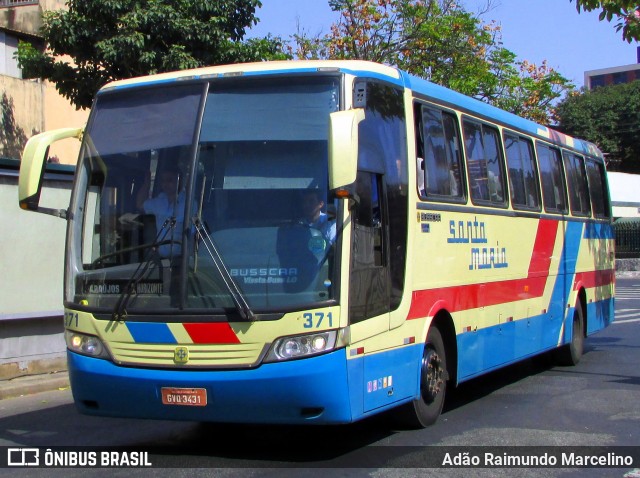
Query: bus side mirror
[
  {"x": 32, "y": 166},
  {"x": 343, "y": 147}
]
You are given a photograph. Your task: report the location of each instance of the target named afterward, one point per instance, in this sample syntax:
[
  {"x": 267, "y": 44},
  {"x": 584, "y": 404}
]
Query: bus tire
[
  {"x": 571, "y": 353},
  {"x": 426, "y": 409}
]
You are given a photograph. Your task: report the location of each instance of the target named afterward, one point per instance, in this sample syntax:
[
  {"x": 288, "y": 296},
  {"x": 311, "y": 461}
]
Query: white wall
[
  {"x": 31, "y": 280},
  {"x": 31, "y": 252}
]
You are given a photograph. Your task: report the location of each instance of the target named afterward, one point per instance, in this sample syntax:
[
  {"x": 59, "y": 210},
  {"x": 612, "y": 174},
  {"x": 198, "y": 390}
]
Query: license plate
[{"x": 186, "y": 397}]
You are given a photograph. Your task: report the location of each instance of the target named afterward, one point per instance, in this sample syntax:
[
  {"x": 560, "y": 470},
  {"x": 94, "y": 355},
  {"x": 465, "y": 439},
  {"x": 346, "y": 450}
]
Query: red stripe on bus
[
  {"x": 473, "y": 296},
  {"x": 592, "y": 279},
  {"x": 215, "y": 333},
  {"x": 543, "y": 247}
]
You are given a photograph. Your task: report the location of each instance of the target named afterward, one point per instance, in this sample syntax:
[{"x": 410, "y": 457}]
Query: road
[{"x": 530, "y": 404}]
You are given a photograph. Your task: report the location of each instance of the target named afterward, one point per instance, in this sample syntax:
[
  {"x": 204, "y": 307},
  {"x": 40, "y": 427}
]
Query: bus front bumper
[{"x": 312, "y": 390}]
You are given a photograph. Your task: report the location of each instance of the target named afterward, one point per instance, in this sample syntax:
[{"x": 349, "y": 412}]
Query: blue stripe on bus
[
  {"x": 598, "y": 231},
  {"x": 500, "y": 345},
  {"x": 568, "y": 259},
  {"x": 468, "y": 104},
  {"x": 563, "y": 286},
  {"x": 600, "y": 314},
  {"x": 495, "y": 346},
  {"x": 151, "y": 333},
  {"x": 391, "y": 377}
]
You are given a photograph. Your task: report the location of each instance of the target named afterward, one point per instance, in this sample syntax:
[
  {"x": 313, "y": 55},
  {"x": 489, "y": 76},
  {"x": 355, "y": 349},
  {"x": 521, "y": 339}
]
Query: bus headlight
[
  {"x": 287, "y": 348},
  {"x": 85, "y": 344}
]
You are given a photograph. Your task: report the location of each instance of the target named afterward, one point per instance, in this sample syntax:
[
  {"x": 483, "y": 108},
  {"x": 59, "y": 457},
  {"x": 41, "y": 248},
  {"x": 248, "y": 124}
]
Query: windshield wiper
[
  {"x": 120, "y": 310},
  {"x": 240, "y": 302}
]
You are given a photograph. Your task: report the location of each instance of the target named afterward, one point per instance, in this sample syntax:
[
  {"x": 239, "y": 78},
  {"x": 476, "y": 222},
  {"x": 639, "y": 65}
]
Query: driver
[
  {"x": 169, "y": 203},
  {"x": 313, "y": 216}
]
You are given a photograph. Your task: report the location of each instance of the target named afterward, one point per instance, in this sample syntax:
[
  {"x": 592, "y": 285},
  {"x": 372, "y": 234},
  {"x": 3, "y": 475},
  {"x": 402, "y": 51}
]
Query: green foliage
[
  {"x": 625, "y": 12},
  {"x": 96, "y": 41},
  {"x": 610, "y": 117},
  {"x": 441, "y": 41},
  {"x": 532, "y": 91}
]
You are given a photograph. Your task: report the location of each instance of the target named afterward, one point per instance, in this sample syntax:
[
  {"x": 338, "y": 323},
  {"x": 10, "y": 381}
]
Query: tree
[
  {"x": 441, "y": 41},
  {"x": 96, "y": 41},
  {"x": 533, "y": 92},
  {"x": 626, "y": 13},
  {"x": 608, "y": 116}
]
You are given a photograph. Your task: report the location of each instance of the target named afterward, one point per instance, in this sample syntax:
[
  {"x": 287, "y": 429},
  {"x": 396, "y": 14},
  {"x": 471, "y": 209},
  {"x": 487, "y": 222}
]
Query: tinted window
[
  {"x": 523, "y": 175},
  {"x": 382, "y": 151},
  {"x": 486, "y": 177},
  {"x": 440, "y": 166},
  {"x": 577, "y": 180},
  {"x": 598, "y": 189},
  {"x": 552, "y": 176}
]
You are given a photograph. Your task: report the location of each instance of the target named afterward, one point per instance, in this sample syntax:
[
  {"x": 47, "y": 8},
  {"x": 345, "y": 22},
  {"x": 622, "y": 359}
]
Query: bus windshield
[{"x": 202, "y": 197}]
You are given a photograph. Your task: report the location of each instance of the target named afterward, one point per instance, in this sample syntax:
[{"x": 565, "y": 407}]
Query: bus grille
[{"x": 243, "y": 355}]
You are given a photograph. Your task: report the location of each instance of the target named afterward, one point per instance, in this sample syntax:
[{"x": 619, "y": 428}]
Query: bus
[{"x": 316, "y": 242}]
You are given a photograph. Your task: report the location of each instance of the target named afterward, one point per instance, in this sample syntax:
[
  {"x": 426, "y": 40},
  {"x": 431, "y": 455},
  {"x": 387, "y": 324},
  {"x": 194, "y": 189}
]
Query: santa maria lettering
[
  {"x": 474, "y": 233},
  {"x": 488, "y": 258},
  {"x": 465, "y": 232}
]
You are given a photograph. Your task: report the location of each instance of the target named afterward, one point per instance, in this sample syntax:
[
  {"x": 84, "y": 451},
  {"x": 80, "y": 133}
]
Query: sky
[{"x": 535, "y": 30}]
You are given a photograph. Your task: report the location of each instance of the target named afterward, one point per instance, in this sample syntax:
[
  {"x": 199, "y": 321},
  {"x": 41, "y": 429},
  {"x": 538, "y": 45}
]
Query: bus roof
[
  {"x": 260, "y": 68},
  {"x": 368, "y": 69},
  {"x": 481, "y": 109}
]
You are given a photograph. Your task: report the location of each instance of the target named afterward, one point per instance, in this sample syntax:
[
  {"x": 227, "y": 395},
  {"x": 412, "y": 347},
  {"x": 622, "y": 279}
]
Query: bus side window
[
  {"x": 578, "y": 188},
  {"x": 552, "y": 177},
  {"x": 369, "y": 278},
  {"x": 440, "y": 176},
  {"x": 598, "y": 189},
  {"x": 523, "y": 176},
  {"x": 484, "y": 163}
]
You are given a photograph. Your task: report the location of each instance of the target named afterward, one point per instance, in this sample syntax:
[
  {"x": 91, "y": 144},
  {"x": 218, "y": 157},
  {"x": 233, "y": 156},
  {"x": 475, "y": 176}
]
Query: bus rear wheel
[
  {"x": 426, "y": 409},
  {"x": 571, "y": 353}
]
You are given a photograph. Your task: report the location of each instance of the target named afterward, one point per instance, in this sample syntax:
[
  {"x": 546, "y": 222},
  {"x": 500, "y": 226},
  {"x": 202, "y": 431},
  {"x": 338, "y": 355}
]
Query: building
[
  {"x": 625, "y": 203},
  {"x": 625, "y": 194},
  {"x": 613, "y": 75},
  {"x": 30, "y": 106},
  {"x": 32, "y": 246}
]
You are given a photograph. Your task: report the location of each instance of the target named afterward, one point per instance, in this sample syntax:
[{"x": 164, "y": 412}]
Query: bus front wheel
[{"x": 426, "y": 409}]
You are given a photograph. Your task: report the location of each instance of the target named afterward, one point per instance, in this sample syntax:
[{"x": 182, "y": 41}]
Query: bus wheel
[
  {"x": 571, "y": 353},
  {"x": 425, "y": 410}
]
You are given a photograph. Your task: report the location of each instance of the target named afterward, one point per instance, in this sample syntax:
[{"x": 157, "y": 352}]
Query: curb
[
  {"x": 627, "y": 274},
  {"x": 31, "y": 384}
]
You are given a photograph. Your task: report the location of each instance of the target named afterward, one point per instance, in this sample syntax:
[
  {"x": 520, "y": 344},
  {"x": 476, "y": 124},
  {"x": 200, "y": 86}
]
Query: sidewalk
[{"x": 30, "y": 384}]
